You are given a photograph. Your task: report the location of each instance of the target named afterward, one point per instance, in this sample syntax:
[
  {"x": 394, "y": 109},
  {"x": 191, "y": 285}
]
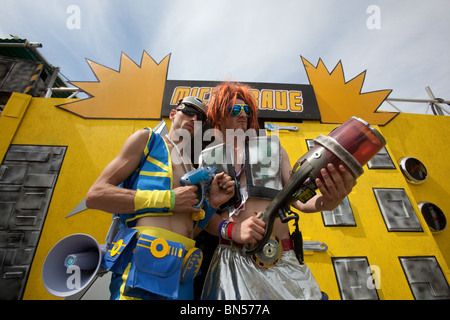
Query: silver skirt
[{"x": 233, "y": 276}]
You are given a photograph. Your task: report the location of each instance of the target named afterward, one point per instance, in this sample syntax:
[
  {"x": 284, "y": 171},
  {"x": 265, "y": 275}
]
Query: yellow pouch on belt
[
  {"x": 191, "y": 264},
  {"x": 119, "y": 252}
]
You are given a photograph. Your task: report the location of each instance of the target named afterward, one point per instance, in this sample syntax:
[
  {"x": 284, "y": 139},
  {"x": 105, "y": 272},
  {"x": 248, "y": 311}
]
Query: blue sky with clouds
[{"x": 248, "y": 40}]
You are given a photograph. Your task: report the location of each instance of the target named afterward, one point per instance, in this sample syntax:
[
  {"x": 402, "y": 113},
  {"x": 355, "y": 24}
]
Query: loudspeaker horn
[{"x": 72, "y": 265}]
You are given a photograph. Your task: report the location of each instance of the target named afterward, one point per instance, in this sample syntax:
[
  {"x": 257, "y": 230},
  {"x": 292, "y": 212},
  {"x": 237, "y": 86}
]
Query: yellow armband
[{"x": 160, "y": 202}]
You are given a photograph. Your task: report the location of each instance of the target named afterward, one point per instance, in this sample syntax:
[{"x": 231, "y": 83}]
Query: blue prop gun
[{"x": 202, "y": 178}]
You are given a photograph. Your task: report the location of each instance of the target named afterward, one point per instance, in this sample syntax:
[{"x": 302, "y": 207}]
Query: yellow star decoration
[
  {"x": 133, "y": 92},
  {"x": 338, "y": 101}
]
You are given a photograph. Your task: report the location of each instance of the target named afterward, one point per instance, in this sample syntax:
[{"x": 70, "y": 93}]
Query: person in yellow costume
[{"x": 141, "y": 185}]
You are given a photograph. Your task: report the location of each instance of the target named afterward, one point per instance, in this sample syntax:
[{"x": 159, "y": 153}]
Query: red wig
[{"x": 225, "y": 95}]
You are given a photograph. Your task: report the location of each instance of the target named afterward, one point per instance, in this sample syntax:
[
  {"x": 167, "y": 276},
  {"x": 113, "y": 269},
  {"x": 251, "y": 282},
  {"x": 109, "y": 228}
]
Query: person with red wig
[{"x": 260, "y": 167}]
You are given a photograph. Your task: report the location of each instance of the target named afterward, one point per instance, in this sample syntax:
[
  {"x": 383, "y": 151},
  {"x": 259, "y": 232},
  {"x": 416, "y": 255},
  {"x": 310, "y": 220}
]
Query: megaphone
[
  {"x": 72, "y": 265},
  {"x": 75, "y": 262}
]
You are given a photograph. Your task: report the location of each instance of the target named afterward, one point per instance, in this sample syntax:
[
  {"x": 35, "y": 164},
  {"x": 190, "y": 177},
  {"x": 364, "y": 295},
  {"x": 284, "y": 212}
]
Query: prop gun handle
[{"x": 277, "y": 208}]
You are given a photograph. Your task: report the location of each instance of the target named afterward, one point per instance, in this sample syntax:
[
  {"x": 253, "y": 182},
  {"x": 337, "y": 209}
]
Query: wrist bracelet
[
  {"x": 230, "y": 230},
  {"x": 225, "y": 229},
  {"x": 222, "y": 227}
]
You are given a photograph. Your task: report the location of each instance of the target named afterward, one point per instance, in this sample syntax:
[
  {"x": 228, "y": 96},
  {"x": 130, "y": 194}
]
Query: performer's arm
[
  {"x": 107, "y": 196},
  {"x": 248, "y": 231}
]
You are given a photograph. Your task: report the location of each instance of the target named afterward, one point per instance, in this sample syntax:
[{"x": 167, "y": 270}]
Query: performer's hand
[
  {"x": 336, "y": 185},
  {"x": 185, "y": 199},
  {"x": 222, "y": 190},
  {"x": 249, "y": 231}
]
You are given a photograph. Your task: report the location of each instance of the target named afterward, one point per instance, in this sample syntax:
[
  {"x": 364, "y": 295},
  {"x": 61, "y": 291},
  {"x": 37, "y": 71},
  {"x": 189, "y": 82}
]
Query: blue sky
[{"x": 248, "y": 40}]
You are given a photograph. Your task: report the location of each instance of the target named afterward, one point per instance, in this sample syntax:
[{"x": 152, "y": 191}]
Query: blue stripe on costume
[{"x": 154, "y": 173}]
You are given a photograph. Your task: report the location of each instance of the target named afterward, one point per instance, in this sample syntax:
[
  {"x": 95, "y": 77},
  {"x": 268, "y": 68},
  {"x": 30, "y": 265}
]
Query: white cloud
[{"x": 247, "y": 40}]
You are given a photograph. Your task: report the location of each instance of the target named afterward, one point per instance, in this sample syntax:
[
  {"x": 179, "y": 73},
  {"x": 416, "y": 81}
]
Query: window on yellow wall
[
  {"x": 397, "y": 210},
  {"x": 343, "y": 214},
  {"x": 381, "y": 160},
  {"x": 429, "y": 285}
]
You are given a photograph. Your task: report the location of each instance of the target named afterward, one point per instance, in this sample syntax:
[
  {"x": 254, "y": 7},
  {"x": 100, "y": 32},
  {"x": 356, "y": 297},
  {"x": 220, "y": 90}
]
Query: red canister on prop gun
[{"x": 352, "y": 144}]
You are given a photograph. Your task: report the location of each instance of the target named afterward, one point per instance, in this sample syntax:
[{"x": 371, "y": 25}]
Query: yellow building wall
[
  {"x": 426, "y": 138},
  {"x": 92, "y": 143},
  {"x": 420, "y": 136}
]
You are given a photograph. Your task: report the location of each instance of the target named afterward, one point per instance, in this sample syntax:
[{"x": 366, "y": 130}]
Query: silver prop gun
[{"x": 352, "y": 144}]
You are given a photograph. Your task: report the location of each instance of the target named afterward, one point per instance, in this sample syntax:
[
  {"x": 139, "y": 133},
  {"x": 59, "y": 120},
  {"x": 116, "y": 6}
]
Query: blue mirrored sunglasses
[{"x": 237, "y": 109}]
